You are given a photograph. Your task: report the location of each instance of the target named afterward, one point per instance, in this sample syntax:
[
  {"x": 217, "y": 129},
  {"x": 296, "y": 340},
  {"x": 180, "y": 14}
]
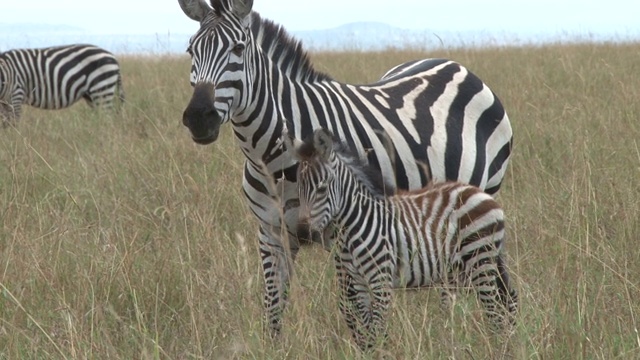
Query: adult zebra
[
  {"x": 57, "y": 77},
  {"x": 249, "y": 71}
]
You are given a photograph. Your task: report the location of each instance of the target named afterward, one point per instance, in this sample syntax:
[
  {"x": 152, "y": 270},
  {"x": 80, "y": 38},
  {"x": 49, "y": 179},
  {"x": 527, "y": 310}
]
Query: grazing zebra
[
  {"x": 56, "y": 77},
  {"x": 447, "y": 233},
  {"x": 248, "y": 71}
]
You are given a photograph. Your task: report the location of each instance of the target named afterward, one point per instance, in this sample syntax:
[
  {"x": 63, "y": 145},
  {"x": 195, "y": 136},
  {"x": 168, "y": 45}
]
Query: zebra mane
[
  {"x": 369, "y": 176},
  {"x": 284, "y": 50}
]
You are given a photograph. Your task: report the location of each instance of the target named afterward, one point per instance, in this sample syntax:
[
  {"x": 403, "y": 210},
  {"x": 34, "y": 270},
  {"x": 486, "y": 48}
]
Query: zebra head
[
  {"x": 218, "y": 50},
  {"x": 316, "y": 175}
]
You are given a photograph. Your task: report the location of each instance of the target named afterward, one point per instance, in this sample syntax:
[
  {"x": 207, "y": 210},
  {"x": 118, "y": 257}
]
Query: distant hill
[
  {"x": 353, "y": 36},
  {"x": 365, "y": 36},
  {"x": 380, "y": 36}
]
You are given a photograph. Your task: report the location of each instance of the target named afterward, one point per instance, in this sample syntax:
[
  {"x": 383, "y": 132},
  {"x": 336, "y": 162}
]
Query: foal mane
[{"x": 364, "y": 173}]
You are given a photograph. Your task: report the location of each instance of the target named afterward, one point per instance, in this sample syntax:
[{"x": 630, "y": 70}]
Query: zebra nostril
[{"x": 210, "y": 113}]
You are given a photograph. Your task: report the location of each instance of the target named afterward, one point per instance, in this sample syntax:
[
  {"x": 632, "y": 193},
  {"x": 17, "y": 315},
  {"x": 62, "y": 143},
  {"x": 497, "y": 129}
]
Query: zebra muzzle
[
  {"x": 200, "y": 116},
  {"x": 308, "y": 235}
]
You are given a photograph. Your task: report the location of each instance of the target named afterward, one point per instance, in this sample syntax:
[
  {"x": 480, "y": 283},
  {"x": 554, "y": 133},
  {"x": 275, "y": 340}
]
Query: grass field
[{"x": 122, "y": 239}]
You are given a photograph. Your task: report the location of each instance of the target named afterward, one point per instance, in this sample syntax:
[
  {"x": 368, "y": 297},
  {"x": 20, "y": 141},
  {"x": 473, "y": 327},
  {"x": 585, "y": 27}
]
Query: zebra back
[{"x": 441, "y": 227}]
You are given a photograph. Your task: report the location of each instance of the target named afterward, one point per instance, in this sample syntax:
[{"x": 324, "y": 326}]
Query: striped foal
[{"x": 449, "y": 234}]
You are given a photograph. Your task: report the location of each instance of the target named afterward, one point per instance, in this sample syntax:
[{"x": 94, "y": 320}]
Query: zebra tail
[
  {"x": 508, "y": 294},
  {"x": 120, "y": 88}
]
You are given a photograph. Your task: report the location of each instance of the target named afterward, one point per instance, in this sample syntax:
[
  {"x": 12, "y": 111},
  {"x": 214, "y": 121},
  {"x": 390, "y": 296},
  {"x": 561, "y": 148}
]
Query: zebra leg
[
  {"x": 486, "y": 280},
  {"x": 277, "y": 267},
  {"x": 120, "y": 89},
  {"x": 5, "y": 116},
  {"x": 10, "y": 113},
  {"x": 447, "y": 297},
  {"x": 455, "y": 282},
  {"x": 381, "y": 294},
  {"x": 364, "y": 302},
  {"x": 347, "y": 301},
  {"x": 17, "y": 111},
  {"x": 450, "y": 287},
  {"x": 101, "y": 97},
  {"x": 354, "y": 304}
]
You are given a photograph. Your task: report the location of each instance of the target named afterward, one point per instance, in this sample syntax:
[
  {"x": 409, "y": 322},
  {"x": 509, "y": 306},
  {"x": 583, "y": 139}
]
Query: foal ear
[
  {"x": 323, "y": 143},
  {"x": 291, "y": 144}
]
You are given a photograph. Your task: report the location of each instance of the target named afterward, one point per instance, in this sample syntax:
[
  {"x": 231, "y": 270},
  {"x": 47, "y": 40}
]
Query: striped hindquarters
[
  {"x": 442, "y": 226},
  {"x": 453, "y": 234}
]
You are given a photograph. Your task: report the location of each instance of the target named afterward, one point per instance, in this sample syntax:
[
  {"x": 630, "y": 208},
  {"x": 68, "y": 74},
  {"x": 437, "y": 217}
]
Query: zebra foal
[
  {"x": 448, "y": 233},
  {"x": 57, "y": 77}
]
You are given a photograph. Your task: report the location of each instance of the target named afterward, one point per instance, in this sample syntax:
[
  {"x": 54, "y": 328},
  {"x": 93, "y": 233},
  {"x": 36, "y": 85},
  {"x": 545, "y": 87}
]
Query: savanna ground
[{"x": 122, "y": 239}]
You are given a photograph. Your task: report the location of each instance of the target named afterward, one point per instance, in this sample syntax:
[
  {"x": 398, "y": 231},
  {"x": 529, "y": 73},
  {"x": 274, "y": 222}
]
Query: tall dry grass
[{"x": 122, "y": 239}]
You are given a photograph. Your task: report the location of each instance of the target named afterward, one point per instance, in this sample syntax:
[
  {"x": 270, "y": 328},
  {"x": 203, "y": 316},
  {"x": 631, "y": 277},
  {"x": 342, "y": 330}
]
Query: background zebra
[
  {"x": 57, "y": 77},
  {"x": 249, "y": 71},
  {"x": 447, "y": 233}
]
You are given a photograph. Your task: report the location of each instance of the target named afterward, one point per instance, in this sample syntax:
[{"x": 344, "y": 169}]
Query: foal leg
[
  {"x": 487, "y": 282},
  {"x": 353, "y": 307},
  {"x": 448, "y": 294}
]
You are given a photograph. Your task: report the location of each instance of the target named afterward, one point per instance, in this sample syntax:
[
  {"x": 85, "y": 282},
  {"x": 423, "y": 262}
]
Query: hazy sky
[{"x": 165, "y": 16}]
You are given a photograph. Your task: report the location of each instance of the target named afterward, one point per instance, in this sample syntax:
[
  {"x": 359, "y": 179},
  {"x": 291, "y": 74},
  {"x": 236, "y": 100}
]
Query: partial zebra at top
[{"x": 57, "y": 77}]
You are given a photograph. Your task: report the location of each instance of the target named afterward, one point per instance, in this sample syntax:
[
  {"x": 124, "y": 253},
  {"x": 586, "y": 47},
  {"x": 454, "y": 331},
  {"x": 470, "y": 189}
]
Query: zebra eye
[
  {"x": 238, "y": 49},
  {"x": 190, "y": 47}
]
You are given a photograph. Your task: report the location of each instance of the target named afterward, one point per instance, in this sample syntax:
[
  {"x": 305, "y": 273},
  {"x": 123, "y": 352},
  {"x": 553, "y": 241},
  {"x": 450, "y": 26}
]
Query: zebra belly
[
  {"x": 51, "y": 105},
  {"x": 406, "y": 279},
  {"x": 417, "y": 262}
]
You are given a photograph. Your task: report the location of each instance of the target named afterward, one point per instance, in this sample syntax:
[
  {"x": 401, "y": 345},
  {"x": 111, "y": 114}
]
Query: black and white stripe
[
  {"x": 57, "y": 77},
  {"x": 436, "y": 116},
  {"x": 448, "y": 234}
]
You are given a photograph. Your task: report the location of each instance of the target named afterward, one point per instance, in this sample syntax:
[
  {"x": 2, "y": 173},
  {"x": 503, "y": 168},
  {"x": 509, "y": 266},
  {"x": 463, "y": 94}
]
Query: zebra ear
[
  {"x": 288, "y": 143},
  {"x": 323, "y": 143},
  {"x": 242, "y": 8},
  {"x": 195, "y": 9},
  {"x": 291, "y": 144}
]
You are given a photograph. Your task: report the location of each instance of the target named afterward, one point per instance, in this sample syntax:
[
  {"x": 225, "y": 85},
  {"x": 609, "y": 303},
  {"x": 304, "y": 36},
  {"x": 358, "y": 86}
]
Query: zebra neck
[
  {"x": 258, "y": 125},
  {"x": 275, "y": 95},
  {"x": 359, "y": 206}
]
